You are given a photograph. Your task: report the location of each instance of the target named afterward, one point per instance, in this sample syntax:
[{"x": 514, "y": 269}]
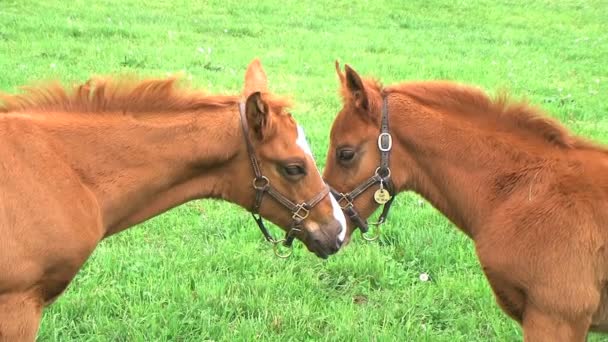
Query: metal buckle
[
  {"x": 301, "y": 213},
  {"x": 390, "y": 142},
  {"x": 292, "y": 233},
  {"x": 385, "y": 176},
  {"x": 349, "y": 203},
  {"x": 262, "y": 187}
]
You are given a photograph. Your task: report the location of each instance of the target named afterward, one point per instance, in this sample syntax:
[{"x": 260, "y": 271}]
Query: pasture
[{"x": 202, "y": 271}]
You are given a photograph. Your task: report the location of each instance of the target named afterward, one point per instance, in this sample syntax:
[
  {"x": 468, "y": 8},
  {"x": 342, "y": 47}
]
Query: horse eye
[
  {"x": 294, "y": 170},
  {"x": 346, "y": 154}
]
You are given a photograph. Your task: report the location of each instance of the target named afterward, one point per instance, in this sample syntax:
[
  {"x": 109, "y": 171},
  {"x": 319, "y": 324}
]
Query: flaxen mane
[
  {"x": 518, "y": 116},
  {"x": 116, "y": 95}
]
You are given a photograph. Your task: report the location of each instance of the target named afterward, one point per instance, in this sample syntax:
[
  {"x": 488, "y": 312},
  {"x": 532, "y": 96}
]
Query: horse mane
[
  {"x": 119, "y": 95},
  {"x": 471, "y": 102}
]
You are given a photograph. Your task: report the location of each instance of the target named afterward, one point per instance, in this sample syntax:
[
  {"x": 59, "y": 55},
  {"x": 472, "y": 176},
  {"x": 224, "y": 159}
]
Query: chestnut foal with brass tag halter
[
  {"x": 384, "y": 195},
  {"x": 261, "y": 184}
]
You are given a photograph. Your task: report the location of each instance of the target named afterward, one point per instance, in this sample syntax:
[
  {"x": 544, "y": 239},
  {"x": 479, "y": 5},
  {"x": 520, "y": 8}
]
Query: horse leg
[
  {"x": 19, "y": 317},
  {"x": 539, "y": 326}
]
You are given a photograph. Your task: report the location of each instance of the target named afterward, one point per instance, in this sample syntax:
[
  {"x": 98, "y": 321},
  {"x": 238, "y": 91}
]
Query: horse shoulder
[{"x": 49, "y": 222}]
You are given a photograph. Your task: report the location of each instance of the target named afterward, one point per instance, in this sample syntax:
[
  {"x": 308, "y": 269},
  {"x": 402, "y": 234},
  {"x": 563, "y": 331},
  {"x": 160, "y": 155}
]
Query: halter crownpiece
[
  {"x": 261, "y": 184},
  {"x": 385, "y": 194}
]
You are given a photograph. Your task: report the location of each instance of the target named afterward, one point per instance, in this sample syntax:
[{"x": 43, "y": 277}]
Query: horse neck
[
  {"x": 451, "y": 165},
  {"x": 140, "y": 167}
]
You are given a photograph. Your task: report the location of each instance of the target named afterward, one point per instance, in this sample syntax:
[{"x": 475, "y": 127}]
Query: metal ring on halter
[
  {"x": 277, "y": 252},
  {"x": 387, "y": 176},
  {"x": 375, "y": 236},
  {"x": 390, "y": 142},
  {"x": 264, "y": 186}
]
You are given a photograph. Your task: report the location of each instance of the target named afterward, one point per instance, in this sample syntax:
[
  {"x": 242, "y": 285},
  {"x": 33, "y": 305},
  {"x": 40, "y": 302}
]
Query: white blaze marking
[{"x": 338, "y": 214}]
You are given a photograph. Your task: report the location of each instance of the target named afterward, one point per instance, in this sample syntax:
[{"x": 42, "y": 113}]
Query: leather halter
[
  {"x": 261, "y": 184},
  {"x": 382, "y": 176}
]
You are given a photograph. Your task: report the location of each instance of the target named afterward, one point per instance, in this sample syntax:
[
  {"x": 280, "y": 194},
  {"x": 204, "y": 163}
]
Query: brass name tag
[{"x": 382, "y": 196}]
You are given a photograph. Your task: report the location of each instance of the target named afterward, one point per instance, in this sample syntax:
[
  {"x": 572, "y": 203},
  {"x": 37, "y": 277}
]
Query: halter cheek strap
[
  {"x": 261, "y": 184},
  {"x": 381, "y": 176}
]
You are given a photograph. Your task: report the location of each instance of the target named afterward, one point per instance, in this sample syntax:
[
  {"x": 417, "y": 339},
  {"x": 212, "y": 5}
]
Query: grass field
[{"x": 202, "y": 271}]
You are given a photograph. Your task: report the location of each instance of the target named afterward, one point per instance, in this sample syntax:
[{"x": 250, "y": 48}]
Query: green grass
[{"x": 202, "y": 271}]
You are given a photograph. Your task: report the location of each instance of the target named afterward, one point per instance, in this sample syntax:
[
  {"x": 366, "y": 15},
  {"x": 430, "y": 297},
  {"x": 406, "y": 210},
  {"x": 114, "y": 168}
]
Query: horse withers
[
  {"x": 532, "y": 196},
  {"x": 80, "y": 164}
]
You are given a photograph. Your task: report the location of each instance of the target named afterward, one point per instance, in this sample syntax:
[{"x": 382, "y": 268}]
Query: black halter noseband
[
  {"x": 261, "y": 184},
  {"x": 381, "y": 176}
]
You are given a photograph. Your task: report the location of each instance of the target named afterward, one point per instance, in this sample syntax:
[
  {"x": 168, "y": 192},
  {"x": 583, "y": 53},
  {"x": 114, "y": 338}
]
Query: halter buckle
[
  {"x": 301, "y": 213},
  {"x": 291, "y": 235},
  {"x": 389, "y": 145},
  {"x": 343, "y": 197},
  {"x": 261, "y": 183}
]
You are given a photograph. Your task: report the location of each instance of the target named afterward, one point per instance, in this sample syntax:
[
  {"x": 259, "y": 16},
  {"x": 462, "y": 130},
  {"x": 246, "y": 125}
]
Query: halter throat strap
[
  {"x": 385, "y": 141},
  {"x": 382, "y": 176}
]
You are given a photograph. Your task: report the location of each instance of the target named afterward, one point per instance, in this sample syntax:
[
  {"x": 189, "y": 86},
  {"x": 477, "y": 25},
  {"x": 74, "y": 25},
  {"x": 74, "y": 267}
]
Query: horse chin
[
  {"x": 321, "y": 249},
  {"x": 321, "y": 255}
]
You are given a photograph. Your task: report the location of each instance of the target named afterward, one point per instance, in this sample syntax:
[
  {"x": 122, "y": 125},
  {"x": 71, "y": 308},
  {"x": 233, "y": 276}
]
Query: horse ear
[
  {"x": 354, "y": 84},
  {"x": 340, "y": 73},
  {"x": 255, "y": 78},
  {"x": 256, "y": 111}
]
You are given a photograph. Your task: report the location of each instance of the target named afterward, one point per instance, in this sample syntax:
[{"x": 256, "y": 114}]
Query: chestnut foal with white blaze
[
  {"x": 532, "y": 197},
  {"x": 79, "y": 165}
]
